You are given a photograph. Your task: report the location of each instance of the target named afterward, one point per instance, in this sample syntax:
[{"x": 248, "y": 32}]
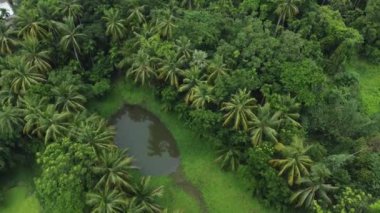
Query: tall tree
[
  {"x": 166, "y": 25},
  {"x": 34, "y": 55},
  {"x": 315, "y": 187},
  {"x": 190, "y": 81},
  {"x": 217, "y": 68},
  {"x": 7, "y": 42},
  {"x": 137, "y": 14},
  {"x": 30, "y": 24},
  {"x": 286, "y": 9},
  {"x": 191, "y": 4},
  {"x": 46, "y": 123},
  {"x": 142, "y": 68},
  {"x": 95, "y": 131},
  {"x": 68, "y": 98},
  {"x": 295, "y": 161},
  {"x": 10, "y": 120},
  {"x": 71, "y": 36},
  {"x": 183, "y": 48},
  {"x": 21, "y": 76},
  {"x": 116, "y": 26},
  {"x": 265, "y": 124},
  {"x": 145, "y": 195},
  {"x": 106, "y": 201},
  {"x": 239, "y": 109},
  {"x": 170, "y": 70},
  {"x": 114, "y": 167},
  {"x": 202, "y": 95},
  {"x": 70, "y": 8}
]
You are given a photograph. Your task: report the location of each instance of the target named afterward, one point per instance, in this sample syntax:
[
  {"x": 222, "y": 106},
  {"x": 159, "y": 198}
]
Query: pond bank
[{"x": 222, "y": 191}]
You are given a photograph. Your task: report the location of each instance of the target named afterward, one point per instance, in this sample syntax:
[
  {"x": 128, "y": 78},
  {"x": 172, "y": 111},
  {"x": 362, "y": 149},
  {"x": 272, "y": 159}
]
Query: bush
[{"x": 271, "y": 188}]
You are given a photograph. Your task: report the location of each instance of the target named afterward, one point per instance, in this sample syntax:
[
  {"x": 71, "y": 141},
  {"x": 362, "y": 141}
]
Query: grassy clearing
[
  {"x": 222, "y": 191},
  {"x": 369, "y": 78},
  {"x": 20, "y": 198}
]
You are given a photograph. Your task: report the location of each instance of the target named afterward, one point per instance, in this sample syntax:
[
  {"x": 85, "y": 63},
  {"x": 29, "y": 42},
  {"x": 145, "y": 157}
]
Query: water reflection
[{"x": 148, "y": 141}]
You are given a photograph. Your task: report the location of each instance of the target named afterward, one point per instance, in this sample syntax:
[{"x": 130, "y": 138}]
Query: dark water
[{"x": 147, "y": 140}]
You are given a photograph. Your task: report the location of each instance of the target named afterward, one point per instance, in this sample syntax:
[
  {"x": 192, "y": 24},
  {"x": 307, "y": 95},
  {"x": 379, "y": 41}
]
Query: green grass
[
  {"x": 20, "y": 198},
  {"x": 174, "y": 197},
  {"x": 222, "y": 191},
  {"x": 369, "y": 79}
]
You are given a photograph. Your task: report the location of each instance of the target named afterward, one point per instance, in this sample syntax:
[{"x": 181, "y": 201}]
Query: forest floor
[
  {"x": 221, "y": 191},
  {"x": 19, "y": 196},
  {"x": 369, "y": 80}
]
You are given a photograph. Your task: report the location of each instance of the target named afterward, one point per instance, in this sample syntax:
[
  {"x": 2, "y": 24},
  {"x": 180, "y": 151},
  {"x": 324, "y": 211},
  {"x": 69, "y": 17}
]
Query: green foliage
[
  {"x": 295, "y": 162},
  {"x": 65, "y": 176},
  {"x": 201, "y": 27},
  {"x": 267, "y": 184},
  {"x": 374, "y": 207},
  {"x": 303, "y": 79},
  {"x": 365, "y": 172},
  {"x": 352, "y": 200}
]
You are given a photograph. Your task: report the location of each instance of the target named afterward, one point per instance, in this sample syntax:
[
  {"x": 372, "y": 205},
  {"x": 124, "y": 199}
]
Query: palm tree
[
  {"x": 34, "y": 55},
  {"x": 296, "y": 162},
  {"x": 142, "y": 68},
  {"x": 264, "y": 124},
  {"x": 47, "y": 123},
  {"x": 106, "y": 201},
  {"x": 165, "y": 26},
  {"x": 170, "y": 70},
  {"x": 199, "y": 59},
  {"x": 10, "y": 120},
  {"x": 137, "y": 14},
  {"x": 202, "y": 95},
  {"x": 286, "y": 9},
  {"x": 8, "y": 97},
  {"x": 239, "y": 109},
  {"x": 114, "y": 167},
  {"x": 115, "y": 24},
  {"x": 289, "y": 110},
  {"x": 70, "y": 36},
  {"x": 315, "y": 187},
  {"x": 30, "y": 25},
  {"x": 190, "y": 4},
  {"x": 217, "y": 68},
  {"x": 22, "y": 76},
  {"x": 68, "y": 99},
  {"x": 190, "y": 81},
  {"x": 6, "y": 39},
  {"x": 95, "y": 131},
  {"x": 70, "y": 8},
  {"x": 145, "y": 195},
  {"x": 183, "y": 48},
  {"x": 228, "y": 157}
]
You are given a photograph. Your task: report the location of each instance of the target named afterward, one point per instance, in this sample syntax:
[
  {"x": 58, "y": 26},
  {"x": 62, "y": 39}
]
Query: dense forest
[{"x": 266, "y": 81}]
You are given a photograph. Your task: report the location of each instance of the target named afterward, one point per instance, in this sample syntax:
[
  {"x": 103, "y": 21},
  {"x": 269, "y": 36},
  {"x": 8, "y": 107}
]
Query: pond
[{"x": 147, "y": 139}]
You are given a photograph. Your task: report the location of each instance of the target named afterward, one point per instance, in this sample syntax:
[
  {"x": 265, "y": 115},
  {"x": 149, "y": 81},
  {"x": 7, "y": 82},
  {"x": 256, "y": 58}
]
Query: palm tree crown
[
  {"x": 106, "y": 201},
  {"x": 114, "y": 167},
  {"x": 296, "y": 162},
  {"x": 115, "y": 24},
  {"x": 239, "y": 109},
  {"x": 264, "y": 124}
]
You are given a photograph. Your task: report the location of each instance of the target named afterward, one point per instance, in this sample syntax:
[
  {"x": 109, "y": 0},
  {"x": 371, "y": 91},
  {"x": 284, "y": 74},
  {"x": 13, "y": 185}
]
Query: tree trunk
[
  {"x": 278, "y": 23},
  {"x": 77, "y": 57}
]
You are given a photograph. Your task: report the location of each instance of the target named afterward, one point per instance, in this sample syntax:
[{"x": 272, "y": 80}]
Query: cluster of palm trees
[
  {"x": 26, "y": 63},
  {"x": 303, "y": 173},
  {"x": 116, "y": 190}
]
